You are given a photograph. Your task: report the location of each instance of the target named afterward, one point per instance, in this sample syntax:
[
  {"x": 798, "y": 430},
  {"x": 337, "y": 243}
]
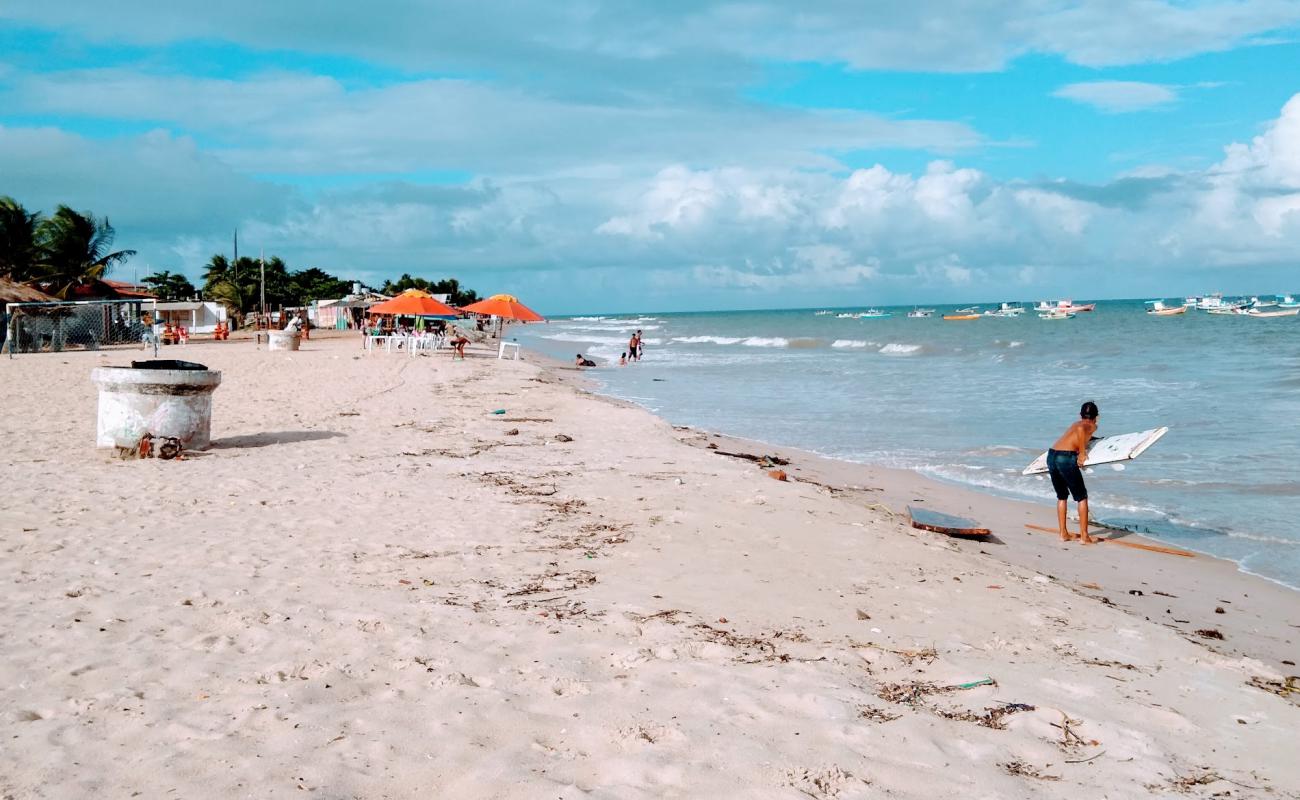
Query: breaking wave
[{"x": 896, "y": 349}]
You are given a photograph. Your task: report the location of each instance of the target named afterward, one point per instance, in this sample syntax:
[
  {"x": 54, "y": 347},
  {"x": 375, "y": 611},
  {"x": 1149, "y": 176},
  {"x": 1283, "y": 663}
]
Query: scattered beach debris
[
  {"x": 1219, "y": 610},
  {"x": 991, "y": 717},
  {"x": 512, "y": 432},
  {"x": 563, "y": 437},
  {"x": 821, "y": 784},
  {"x": 499, "y": 411},
  {"x": 778, "y": 474},
  {"x": 149, "y": 446},
  {"x": 863, "y": 615},
  {"x": 1093, "y": 586},
  {"x": 939, "y": 522},
  {"x": 762, "y": 461},
  {"x": 1280, "y": 688},
  {"x": 1070, "y": 739},
  {"x": 913, "y": 692},
  {"x": 1024, "y": 770},
  {"x": 1136, "y": 592},
  {"x": 1209, "y": 633},
  {"x": 877, "y": 715}
]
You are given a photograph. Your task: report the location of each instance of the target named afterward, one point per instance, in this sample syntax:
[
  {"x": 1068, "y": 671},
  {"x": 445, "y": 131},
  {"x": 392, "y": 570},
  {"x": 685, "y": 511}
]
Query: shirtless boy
[{"x": 1065, "y": 465}]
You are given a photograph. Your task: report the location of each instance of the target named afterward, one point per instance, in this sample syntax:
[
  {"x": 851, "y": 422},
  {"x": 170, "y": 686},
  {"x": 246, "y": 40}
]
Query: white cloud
[
  {"x": 295, "y": 123},
  {"x": 671, "y": 47},
  {"x": 1117, "y": 97}
]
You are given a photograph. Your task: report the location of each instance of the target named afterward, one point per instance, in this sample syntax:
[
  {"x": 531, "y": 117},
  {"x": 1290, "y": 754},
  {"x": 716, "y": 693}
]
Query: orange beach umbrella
[
  {"x": 505, "y": 306},
  {"x": 413, "y": 303}
]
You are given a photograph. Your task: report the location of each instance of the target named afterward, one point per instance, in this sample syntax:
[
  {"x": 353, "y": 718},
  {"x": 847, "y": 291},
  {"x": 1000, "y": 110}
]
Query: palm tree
[
  {"x": 20, "y": 249},
  {"x": 169, "y": 286},
  {"x": 76, "y": 250}
]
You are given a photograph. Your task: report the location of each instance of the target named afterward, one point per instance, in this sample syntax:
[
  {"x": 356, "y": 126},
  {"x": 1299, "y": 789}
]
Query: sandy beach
[{"x": 372, "y": 586}]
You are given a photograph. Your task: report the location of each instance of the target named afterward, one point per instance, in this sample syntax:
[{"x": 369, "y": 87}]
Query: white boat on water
[
  {"x": 1006, "y": 310},
  {"x": 1213, "y": 302},
  {"x": 1191, "y": 302},
  {"x": 918, "y": 313},
  {"x": 1256, "y": 302},
  {"x": 1158, "y": 308},
  {"x": 822, "y": 313},
  {"x": 969, "y": 310},
  {"x": 1057, "y": 313},
  {"x": 1271, "y": 312},
  {"x": 875, "y": 313},
  {"x": 1287, "y": 301}
]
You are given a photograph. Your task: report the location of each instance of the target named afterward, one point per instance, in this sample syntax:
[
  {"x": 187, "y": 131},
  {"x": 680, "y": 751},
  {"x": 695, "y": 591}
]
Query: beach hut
[
  {"x": 196, "y": 316},
  {"x": 12, "y": 292}
]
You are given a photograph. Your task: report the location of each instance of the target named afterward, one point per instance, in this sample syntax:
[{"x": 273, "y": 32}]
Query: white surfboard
[{"x": 1108, "y": 449}]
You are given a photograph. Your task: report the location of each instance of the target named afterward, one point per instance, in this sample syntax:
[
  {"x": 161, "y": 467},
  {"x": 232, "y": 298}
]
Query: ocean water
[{"x": 974, "y": 402}]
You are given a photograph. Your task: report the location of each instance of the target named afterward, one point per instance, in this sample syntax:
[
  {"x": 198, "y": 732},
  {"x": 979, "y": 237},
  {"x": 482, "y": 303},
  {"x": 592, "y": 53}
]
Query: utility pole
[
  {"x": 261, "y": 260},
  {"x": 239, "y": 293}
]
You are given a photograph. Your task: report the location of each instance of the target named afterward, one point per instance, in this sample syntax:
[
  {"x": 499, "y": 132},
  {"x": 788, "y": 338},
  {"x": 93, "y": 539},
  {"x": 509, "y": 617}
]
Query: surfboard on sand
[
  {"x": 939, "y": 522},
  {"x": 1108, "y": 449}
]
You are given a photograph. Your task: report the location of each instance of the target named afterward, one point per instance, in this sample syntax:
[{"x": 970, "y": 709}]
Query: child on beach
[
  {"x": 1065, "y": 462},
  {"x": 622, "y": 360}
]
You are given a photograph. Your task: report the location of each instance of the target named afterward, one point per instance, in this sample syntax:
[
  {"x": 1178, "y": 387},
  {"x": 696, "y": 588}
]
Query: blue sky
[{"x": 610, "y": 157}]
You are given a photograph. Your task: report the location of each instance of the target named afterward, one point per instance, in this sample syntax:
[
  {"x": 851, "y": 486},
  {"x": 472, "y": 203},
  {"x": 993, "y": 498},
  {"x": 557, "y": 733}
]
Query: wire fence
[{"x": 75, "y": 325}]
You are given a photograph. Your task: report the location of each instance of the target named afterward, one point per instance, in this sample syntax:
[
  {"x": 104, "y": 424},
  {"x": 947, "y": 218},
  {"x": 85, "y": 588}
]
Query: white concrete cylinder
[
  {"x": 163, "y": 402},
  {"x": 283, "y": 340}
]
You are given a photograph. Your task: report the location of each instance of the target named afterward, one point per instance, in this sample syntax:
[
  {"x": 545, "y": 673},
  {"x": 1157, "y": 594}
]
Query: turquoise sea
[{"x": 974, "y": 402}]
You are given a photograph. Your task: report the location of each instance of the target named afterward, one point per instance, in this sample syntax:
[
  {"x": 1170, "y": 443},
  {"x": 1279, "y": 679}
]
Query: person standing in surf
[
  {"x": 1065, "y": 461},
  {"x": 634, "y": 347}
]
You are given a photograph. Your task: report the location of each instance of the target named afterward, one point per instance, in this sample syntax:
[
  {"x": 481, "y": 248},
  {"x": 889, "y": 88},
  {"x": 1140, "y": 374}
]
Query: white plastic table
[{"x": 501, "y": 352}]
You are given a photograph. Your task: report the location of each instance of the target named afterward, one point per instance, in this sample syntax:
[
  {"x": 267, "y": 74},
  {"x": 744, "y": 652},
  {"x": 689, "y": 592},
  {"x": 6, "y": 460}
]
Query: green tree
[
  {"x": 169, "y": 286},
  {"x": 20, "y": 247},
  {"x": 449, "y": 286},
  {"x": 76, "y": 250},
  {"x": 317, "y": 284}
]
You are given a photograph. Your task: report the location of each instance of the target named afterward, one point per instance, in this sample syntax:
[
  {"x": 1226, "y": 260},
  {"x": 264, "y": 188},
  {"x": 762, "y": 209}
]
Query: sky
[{"x": 669, "y": 156}]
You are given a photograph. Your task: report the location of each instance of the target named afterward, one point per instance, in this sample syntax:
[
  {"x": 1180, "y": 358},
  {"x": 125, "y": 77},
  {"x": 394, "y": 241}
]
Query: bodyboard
[
  {"x": 1108, "y": 449},
  {"x": 940, "y": 522}
]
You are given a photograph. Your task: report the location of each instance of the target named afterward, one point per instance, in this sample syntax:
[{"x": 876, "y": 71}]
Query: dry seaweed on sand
[
  {"x": 877, "y": 715},
  {"x": 1284, "y": 688},
  {"x": 1024, "y": 770},
  {"x": 991, "y": 717}
]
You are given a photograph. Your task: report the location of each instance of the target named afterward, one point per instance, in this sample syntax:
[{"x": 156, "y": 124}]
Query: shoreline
[
  {"x": 405, "y": 576},
  {"x": 1262, "y": 620}
]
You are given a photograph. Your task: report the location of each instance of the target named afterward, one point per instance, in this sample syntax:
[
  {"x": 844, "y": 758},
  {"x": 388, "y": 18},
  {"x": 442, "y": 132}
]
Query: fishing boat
[
  {"x": 1191, "y": 302},
  {"x": 875, "y": 313},
  {"x": 1287, "y": 301},
  {"x": 1069, "y": 307},
  {"x": 1006, "y": 310},
  {"x": 969, "y": 310},
  {"x": 1256, "y": 302},
  {"x": 846, "y": 316},
  {"x": 822, "y": 313},
  {"x": 1043, "y": 305},
  {"x": 1227, "y": 307},
  {"x": 1271, "y": 312},
  {"x": 1159, "y": 309},
  {"x": 960, "y": 317},
  {"x": 1212, "y": 302},
  {"x": 918, "y": 313},
  {"x": 1057, "y": 313}
]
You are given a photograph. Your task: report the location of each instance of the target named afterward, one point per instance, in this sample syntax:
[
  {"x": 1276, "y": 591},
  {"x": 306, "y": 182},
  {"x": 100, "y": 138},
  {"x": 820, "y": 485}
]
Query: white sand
[{"x": 368, "y": 589}]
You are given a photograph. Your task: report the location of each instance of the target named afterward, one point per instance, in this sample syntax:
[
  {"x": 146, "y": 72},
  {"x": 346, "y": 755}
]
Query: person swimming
[{"x": 1065, "y": 461}]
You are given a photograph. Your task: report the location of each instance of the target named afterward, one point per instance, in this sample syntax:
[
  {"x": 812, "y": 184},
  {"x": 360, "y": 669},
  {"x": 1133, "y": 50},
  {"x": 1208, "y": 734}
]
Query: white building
[{"x": 197, "y": 316}]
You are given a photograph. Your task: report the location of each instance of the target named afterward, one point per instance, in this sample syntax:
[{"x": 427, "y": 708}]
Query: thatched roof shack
[{"x": 11, "y": 292}]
